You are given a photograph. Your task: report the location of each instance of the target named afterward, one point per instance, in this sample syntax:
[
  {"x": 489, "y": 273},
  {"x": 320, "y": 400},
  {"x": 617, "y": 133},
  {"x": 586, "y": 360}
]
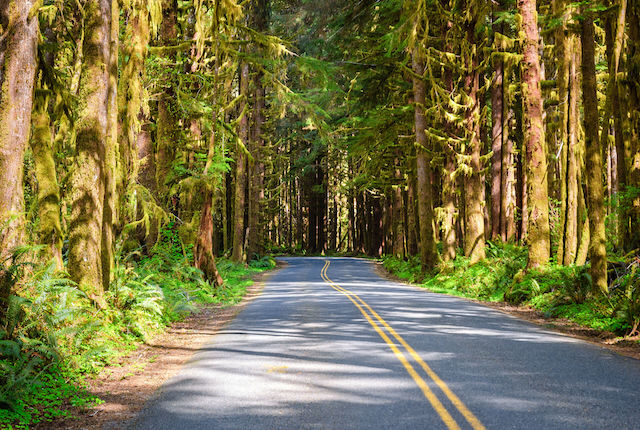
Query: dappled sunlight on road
[{"x": 303, "y": 356}]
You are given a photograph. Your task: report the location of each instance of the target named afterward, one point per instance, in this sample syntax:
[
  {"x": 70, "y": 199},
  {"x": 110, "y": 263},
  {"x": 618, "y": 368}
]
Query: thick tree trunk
[
  {"x": 595, "y": 197},
  {"x": 633, "y": 77},
  {"x": 109, "y": 215},
  {"x": 614, "y": 40},
  {"x": 42, "y": 148},
  {"x": 18, "y": 60},
  {"x": 536, "y": 152},
  {"x": 50, "y": 227},
  {"x": 87, "y": 179},
  {"x": 147, "y": 178},
  {"x": 241, "y": 170},
  {"x": 167, "y": 132},
  {"x": 428, "y": 250},
  {"x": 203, "y": 249},
  {"x": 474, "y": 240}
]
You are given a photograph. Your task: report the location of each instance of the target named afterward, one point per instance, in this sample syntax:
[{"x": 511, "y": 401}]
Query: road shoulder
[{"x": 608, "y": 340}]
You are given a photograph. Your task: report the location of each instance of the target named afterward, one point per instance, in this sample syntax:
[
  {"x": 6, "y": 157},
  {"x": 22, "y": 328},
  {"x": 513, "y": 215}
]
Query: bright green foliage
[
  {"x": 557, "y": 291},
  {"x": 54, "y": 336}
]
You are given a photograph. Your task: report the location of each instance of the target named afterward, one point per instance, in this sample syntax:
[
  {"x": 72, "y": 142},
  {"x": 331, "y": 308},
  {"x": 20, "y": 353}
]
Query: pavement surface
[{"x": 331, "y": 345}]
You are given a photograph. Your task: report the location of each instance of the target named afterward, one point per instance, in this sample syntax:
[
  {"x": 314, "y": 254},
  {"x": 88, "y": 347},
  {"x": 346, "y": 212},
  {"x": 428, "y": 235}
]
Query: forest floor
[
  {"x": 627, "y": 346},
  {"x": 126, "y": 386}
]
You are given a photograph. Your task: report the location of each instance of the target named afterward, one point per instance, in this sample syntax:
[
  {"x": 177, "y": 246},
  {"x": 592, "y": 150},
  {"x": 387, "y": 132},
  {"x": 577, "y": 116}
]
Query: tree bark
[
  {"x": 633, "y": 77},
  {"x": 256, "y": 176},
  {"x": 203, "y": 249},
  {"x": 50, "y": 226},
  {"x": 595, "y": 197},
  {"x": 109, "y": 214},
  {"x": 428, "y": 250},
  {"x": 497, "y": 144},
  {"x": 474, "y": 239},
  {"x": 87, "y": 179},
  {"x": 241, "y": 170},
  {"x": 18, "y": 61},
  {"x": 536, "y": 152}
]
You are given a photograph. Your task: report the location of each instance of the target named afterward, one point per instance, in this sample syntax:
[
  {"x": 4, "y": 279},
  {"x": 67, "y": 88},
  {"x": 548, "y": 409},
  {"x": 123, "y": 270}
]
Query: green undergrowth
[
  {"x": 557, "y": 291},
  {"x": 54, "y": 337}
]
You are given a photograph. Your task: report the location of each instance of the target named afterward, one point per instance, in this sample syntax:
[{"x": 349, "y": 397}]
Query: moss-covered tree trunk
[
  {"x": 424, "y": 190},
  {"x": 474, "y": 201},
  {"x": 42, "y": 147},
  {"x": 109, "y": 214},
  {"x": 633, "y": 77},
  {"x": 538, "y": 235},
  {"x": 593, "y": 157},
  {"x": 238, "y": 252},
  {"x": 203, "y": 249},
  {"x": 412, "y": 222},
  {"x": 167, "y": 131},
  {"x": 50, "y": 226},
  {"x": 256, "y": 175},
  {"x": 497, "y": 143},
  {"x": 398, "y": 213},
  {"x": 614, "y": 31},
  {"x": 568, "y": 60},
  {"x": 18, "y": 52},
  {"x": 88, "y": 177}
]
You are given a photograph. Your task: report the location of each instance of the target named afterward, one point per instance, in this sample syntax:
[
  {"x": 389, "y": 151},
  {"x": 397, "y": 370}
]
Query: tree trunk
[
  {"x": 257, "y": 173},
  {"x": 593, "y": 157},
  {"x": 497, "y": 144},
  {"x": 50, "y": 227},
  {"x": 241, "y": 171},
  {"x": 449, "y": 237},
  {"x": 167, "y": 133},
  {"x": 428, "y": 250},
  {"x": 536, "y": 152},
  {"x": 570, "y": 247},
  {"x": 42, "y": 148},
  {"x": 87, "y": 179},
  {"x": 18, "y": 58},
  {"x": 203, "y": 249},
  {"x": 614, "y": 40},
  {"x": 412, "y": 224},
  {"x": 633, "y": 77},
  {"x": 474, "y": 240},
  {"x": 398, "y": 214},
  {"x": 109, "y": 215}
]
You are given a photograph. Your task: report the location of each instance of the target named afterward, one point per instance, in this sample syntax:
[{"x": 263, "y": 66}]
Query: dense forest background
[{"x": 151, "y": 149}]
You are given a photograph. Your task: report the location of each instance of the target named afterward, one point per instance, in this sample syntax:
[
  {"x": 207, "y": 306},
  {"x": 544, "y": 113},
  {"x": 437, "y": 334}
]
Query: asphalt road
[{"x": 350, "y": 350}]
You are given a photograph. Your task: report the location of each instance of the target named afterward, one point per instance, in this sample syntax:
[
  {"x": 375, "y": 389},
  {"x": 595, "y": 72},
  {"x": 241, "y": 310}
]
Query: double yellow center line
[{"x": 378, "y": 323}]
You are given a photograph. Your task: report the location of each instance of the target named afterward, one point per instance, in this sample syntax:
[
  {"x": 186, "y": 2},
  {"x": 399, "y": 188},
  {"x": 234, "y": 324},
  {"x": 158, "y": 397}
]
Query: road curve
[{"x": 331, "y": 345}]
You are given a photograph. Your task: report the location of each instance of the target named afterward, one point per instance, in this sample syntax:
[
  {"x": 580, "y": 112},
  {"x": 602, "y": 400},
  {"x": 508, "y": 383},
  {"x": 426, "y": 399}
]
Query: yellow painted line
[
  {"x": 431, "y": 397},
  {"x": 468, "y": 415}
]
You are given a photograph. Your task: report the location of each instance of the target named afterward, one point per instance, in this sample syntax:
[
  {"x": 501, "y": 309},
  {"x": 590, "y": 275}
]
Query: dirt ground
[
  {"x": 126, "y": 386},
  {"x": 624, "y": 346}
]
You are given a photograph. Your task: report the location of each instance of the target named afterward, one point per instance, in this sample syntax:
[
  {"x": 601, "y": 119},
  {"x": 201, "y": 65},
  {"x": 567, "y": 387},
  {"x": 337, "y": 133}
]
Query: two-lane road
[{"x": 331, "y": 345}]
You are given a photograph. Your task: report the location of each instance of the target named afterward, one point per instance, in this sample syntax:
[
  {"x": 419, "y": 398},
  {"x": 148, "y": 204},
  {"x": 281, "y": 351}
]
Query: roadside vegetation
[
  {"x": 556, "y": 291},
  {"x": 55, "y": 337}
]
